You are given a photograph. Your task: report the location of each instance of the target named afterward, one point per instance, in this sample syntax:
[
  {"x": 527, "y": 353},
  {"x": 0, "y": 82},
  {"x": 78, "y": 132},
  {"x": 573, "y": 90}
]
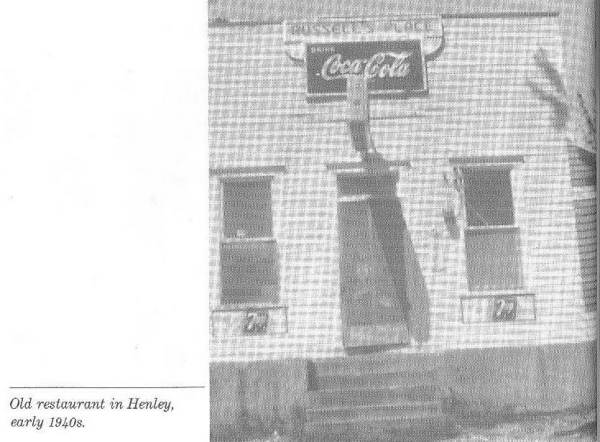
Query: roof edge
[
  {"x": 220, "y": 22},
  {"x": 263, "y": 12}
]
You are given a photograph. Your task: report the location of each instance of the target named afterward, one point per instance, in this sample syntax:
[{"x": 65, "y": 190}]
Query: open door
[{"x": 372, "y": 272}]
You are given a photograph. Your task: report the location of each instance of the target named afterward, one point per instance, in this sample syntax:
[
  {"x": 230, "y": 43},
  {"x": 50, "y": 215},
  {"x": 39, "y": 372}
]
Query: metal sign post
[{"x": 357, "y": 114}]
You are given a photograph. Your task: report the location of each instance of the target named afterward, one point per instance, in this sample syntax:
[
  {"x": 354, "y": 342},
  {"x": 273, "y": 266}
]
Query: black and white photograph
[
  {"x": 299, "y": 220},
  {"x": 402, "y": 220}
]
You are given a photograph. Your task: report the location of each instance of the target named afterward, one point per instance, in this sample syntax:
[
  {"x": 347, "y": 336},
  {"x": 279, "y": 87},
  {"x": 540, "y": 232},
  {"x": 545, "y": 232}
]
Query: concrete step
[
  {"x": 373, "y": 380},
  {"x": 386, "y": 396},
  {"x": 373, "y": 396},
  {"x": 417, "y": 426},
  {"x": 374, "y": 412}
]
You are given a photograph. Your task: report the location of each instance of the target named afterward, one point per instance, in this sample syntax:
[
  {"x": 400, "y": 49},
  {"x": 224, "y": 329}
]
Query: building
[{"x": 468, "y": 242}]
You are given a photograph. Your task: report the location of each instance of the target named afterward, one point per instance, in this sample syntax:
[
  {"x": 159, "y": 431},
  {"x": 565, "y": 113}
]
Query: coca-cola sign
[{"x": 394, "y": 68}]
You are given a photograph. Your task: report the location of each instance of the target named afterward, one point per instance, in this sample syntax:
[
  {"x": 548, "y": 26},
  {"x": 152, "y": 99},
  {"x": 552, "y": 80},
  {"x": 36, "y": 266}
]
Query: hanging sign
[
  {"x": 426, "y": 28},
  {"x": 391, "y": 67}
]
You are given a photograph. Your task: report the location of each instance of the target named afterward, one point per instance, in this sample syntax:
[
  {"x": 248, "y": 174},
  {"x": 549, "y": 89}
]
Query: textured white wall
[{"x": 479, "y": 103}]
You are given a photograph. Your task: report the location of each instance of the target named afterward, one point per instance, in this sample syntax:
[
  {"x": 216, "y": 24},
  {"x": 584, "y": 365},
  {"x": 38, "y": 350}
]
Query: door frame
[{"x": 375, "y": 334}]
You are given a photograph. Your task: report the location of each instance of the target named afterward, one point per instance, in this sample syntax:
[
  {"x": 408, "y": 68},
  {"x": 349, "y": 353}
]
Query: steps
[{"x": 383, "y": 396}]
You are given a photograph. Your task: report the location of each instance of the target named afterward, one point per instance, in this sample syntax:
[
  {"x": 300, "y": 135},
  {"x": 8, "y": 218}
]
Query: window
[
  {"x": 491, "y": 237},
  {"x": 249, "y": 265}
]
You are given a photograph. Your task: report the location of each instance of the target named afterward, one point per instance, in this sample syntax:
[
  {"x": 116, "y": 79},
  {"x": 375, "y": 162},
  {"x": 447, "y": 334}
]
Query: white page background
[{"x": 103, "y": 197}]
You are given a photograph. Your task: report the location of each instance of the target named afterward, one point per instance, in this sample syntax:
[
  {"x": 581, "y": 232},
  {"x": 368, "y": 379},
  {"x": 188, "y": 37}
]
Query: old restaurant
[{"x": 401, "y": 214}]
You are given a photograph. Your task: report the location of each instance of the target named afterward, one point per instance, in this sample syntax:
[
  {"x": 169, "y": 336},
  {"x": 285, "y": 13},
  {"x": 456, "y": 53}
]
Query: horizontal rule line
[{"x": 51, "y": 387}]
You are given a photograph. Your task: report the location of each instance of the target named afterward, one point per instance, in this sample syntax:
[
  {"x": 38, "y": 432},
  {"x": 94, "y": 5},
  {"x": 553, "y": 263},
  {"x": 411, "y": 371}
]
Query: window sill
[
  {"x": 244, "y": 307},
  {"x": 486, "y": 293},
  {"x": 498, "y": 161},
  {"x": 247, "y": 172},
  {"x": 248, "y": 240},
  {"x": 490, "y": 228}
]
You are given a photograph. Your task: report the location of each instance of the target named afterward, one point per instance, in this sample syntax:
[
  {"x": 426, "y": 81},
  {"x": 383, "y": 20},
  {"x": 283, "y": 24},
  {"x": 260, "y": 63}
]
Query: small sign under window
[
  {"x": 498, "y": 308},
  {"x": 256, "y": 321},
  {"x": 505, "y": 309}
]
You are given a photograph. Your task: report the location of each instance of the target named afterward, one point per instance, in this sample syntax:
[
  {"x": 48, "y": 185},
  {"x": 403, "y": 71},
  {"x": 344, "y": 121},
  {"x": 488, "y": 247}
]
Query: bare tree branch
[{"x": 541, "y": 59}]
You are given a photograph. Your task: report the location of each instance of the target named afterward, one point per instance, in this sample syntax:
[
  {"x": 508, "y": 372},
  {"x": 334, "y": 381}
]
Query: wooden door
[{"x": 372, "y": 273}]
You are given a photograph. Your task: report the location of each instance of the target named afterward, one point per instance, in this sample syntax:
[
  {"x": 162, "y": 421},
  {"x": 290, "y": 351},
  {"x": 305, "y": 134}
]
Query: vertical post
[
  {"x": 357, "y": 113},
  {"x": 358, "y": 98}
]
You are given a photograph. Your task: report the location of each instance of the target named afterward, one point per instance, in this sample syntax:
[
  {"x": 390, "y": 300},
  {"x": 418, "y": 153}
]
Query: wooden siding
[
  {"x": 585, "y": 212},
  {"x": 583, "y": 178},
  {"x": 583, "y": 167},
  {"x": 480, "y": 104}
]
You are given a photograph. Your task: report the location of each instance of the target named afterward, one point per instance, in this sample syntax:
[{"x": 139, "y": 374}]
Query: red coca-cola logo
[{"x": 380, "y": 65}]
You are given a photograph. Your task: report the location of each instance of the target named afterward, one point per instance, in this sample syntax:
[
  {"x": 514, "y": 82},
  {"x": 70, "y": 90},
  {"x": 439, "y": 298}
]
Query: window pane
[
  {"x": 247, "y": 209},
  {"x": 493, "y": 259},
  {"x": 488, "y": 197},
  {"x": 249, "y": 272}
]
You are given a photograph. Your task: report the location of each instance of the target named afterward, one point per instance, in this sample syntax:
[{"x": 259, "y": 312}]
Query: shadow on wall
[{"x": 418, "y": 298}]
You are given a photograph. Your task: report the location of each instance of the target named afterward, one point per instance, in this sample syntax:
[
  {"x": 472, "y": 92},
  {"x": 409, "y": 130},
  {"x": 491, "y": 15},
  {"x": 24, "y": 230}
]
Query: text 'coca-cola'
[{"x": 392, "y": 67}]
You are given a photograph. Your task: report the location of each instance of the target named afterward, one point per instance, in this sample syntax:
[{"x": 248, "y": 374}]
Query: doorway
[{"x": 373, "y": 286}]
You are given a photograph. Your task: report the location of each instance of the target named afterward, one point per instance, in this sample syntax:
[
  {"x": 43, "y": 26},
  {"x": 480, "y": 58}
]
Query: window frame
[
  {"x": 223, "y": 239},
  {"x": 464, "y": 169}
]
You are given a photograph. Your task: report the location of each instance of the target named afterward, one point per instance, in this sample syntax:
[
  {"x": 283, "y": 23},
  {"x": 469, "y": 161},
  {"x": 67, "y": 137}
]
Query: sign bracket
[{"x": 358, "y": 115}]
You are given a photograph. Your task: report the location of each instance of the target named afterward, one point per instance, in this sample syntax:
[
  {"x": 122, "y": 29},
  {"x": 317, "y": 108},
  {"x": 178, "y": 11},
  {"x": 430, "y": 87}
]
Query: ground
[
  {"x": 575, "y": 425},
  {"x": 566, "y": 426}
]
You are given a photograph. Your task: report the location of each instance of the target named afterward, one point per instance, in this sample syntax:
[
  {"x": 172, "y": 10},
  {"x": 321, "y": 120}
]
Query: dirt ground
[
  {"x": 567, "y": 426},
  {"x": 575, "y": 425}
]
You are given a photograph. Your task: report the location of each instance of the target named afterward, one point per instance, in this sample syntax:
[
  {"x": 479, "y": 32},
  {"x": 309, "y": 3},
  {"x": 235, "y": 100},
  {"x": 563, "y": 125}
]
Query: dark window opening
[
  {"x": 492, "y": 241},
  {"x": 488, "y": 197},
  {"x": 371, "y": 234},
  {"x": 249, "y": 272},
  {"x": 249, "y": 258},
  {"x": 247, "y": 209}
]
